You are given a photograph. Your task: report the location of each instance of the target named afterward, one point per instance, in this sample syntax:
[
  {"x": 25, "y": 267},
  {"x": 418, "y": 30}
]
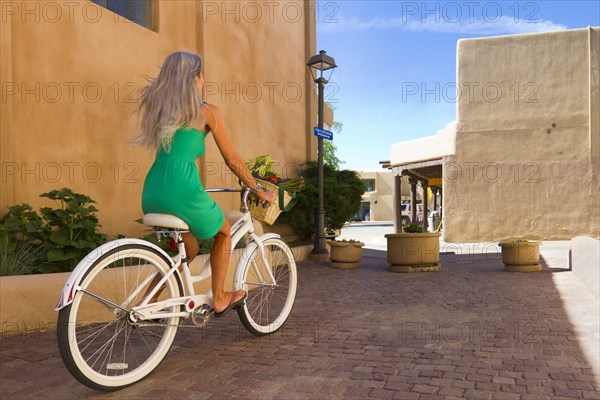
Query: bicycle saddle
[{"x": 165, "y": 221}]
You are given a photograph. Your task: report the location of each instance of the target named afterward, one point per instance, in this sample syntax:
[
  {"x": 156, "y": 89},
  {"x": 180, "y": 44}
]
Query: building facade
[
  {"x": 522, "y": 159},
  {"x": 378, "y": 199},
  {"x": 71, "y": 73}
]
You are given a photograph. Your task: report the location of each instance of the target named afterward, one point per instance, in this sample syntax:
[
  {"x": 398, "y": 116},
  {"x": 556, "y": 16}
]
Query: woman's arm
[{"x": 215, "y": 121}]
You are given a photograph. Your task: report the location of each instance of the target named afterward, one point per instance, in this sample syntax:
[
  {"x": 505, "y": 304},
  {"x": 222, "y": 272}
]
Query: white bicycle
[{"x": 110, "y": 334}]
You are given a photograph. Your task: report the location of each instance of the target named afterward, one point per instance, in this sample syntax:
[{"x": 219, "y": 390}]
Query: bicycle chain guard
[{"x": 200, "y": 316}]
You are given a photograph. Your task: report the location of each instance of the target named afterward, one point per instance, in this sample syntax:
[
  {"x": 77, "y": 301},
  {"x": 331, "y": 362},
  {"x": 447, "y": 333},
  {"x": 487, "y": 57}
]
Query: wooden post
[
  {"x": 441, "y": 203},
  {"x": 424, "y": 186},
  {"x": 413, "y": 200},
  {"x": 398, "y": 203}
]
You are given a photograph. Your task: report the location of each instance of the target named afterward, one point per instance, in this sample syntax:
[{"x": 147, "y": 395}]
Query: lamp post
[{"x": 318, "y": 65}]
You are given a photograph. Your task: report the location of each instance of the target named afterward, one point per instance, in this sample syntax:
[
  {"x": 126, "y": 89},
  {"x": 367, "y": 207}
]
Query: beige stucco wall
[
  {"x": 526, "y": 161},
  {"x": 382, "y": 198},
  {"x": 267, "y": 61},
  {"x": 70, "y": 84}
]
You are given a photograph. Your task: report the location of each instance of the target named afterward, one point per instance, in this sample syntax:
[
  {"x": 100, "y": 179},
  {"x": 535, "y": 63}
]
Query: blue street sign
[{"x": 322, "y": 133}]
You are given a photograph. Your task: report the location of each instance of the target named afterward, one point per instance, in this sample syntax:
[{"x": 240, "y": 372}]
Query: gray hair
[{"x": 171, "y": 100}]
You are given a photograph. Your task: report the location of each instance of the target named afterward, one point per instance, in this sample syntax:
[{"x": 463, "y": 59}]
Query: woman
[{"x": 175, "y": 121}]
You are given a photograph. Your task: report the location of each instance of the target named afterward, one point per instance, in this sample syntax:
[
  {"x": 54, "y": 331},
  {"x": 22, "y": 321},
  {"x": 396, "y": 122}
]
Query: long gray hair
[{"x": 170, "y": 101}]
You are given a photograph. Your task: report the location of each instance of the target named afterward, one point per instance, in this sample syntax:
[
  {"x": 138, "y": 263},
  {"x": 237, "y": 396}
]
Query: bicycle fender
[
  {"x": 239, "y": 273},
  {"x": 67, "y": 293}
]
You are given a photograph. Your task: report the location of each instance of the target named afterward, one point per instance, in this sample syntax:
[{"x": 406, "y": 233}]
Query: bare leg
[
  {"x": 191, "y": 246},
  {"x": 191, "y": 249},
  {"x": 219, "y": 261}
]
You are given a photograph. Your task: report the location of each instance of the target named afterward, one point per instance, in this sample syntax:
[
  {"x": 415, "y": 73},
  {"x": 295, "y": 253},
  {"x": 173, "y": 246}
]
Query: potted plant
[
  {"x": 345, "y": 253},
  {"x": 413, "y": 250},
  {"x": 521, "y": 255}
]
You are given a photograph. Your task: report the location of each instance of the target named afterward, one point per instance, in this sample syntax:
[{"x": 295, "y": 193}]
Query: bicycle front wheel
[
  {"x": 269, "y": 303},
  {"x": 101, "y": 343}
]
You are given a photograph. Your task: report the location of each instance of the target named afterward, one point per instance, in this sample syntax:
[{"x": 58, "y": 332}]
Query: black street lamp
[{"x": 318, "y": 65}]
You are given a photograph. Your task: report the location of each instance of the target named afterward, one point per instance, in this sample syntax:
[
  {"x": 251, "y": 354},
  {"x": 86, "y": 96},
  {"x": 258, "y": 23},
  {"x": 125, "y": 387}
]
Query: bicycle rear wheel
[
  {"x": 101, "y": 343},
  {"x": 269, "y": 304}
]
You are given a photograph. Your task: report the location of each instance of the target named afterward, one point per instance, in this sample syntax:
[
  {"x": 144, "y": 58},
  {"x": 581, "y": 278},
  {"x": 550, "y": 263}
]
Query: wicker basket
[{"x": 269, "y": 215}]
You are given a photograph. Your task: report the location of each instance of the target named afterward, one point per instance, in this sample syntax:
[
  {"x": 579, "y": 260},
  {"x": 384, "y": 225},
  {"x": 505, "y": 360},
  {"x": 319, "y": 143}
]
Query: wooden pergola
[{"x": 429, "y": 175}]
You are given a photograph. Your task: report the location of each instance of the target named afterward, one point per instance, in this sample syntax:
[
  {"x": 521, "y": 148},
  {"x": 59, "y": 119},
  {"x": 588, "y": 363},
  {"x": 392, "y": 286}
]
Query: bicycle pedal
[{"x": 201, "y": 315}]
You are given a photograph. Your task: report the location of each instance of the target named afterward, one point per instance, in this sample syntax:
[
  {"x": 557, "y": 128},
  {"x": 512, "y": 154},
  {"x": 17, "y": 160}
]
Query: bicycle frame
[{"x": 190, "y": 300}]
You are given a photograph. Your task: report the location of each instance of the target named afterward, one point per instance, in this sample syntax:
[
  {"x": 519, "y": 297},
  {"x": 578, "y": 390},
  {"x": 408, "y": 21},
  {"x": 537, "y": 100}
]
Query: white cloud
[{"x": 436, "y": 23}]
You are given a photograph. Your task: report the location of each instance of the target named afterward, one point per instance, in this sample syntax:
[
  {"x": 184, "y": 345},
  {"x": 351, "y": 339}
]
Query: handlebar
[
  {"x": 225, "y": 189},
  {"x": 244, "y": 197}
]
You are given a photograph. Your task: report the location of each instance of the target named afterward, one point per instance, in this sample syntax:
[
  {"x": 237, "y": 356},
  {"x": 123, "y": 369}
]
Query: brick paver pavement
[{"x": 470, "y": 331}]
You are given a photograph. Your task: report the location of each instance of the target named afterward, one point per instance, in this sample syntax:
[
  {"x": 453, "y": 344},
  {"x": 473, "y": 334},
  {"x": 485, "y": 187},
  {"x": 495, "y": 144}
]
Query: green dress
[{"x": 173, "y": 185}]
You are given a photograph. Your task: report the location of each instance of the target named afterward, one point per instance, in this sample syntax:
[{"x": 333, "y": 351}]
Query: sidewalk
[{"x": 469, "y": 331}]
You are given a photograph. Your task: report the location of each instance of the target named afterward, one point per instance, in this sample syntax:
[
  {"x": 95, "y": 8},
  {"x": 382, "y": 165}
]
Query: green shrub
[
  {"x": 54, "y": 242},
  {"x": 342, "y": 194},
  {"x": 412, "y": 228},
  {"x": 21, "y": 223},
  {"x": 69, "y": 232},
  {"x": 21, "y": 250}
]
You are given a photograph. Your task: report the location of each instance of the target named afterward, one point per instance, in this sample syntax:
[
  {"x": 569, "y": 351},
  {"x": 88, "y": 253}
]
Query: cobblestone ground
[{"x": 470, "y": 331}]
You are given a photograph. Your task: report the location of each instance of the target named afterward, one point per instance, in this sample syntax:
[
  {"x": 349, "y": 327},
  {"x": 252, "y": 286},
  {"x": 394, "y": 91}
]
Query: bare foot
[{"x": 229, "y": 298}]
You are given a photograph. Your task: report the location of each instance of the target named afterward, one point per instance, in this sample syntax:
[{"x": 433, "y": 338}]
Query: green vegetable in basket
[
  {"x": 294, "y": 185},
  {"x": 262, "y": 167}
]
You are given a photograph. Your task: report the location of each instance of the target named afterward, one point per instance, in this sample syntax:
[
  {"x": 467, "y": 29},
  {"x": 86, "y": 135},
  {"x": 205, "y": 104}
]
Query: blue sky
[{"x": 386, "y": 49}]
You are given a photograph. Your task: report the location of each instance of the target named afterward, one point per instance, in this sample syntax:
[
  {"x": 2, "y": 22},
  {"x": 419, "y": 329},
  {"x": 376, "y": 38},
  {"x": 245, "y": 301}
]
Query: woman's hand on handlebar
[{"x": 265, "y": 196}]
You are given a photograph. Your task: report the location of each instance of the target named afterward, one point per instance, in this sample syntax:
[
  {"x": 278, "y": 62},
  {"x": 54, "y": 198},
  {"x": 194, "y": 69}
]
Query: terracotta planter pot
[
  {"x": 521, "y": 256},
  {"x": 345, "y": 254},
  {"x": 413, "y": 252}
]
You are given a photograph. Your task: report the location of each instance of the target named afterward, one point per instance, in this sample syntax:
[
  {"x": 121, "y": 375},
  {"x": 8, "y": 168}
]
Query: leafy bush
[
  {"x": 21, "y": 223},
  {"x": 412, "y": 228},
  {"x": 69, "y": 232},
  {"x": 21, "y": 251},
  {"x": 54, "y": 242},
  {"x": 342, "y": 194}
]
